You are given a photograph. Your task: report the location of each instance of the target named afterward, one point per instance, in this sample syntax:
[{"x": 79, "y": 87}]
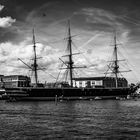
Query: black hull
[{"x": 65, "y": 93}]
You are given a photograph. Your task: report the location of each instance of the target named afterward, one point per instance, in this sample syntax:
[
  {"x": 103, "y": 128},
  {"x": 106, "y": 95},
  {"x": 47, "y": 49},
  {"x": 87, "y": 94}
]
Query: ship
[{"x": 70, "y": 91}]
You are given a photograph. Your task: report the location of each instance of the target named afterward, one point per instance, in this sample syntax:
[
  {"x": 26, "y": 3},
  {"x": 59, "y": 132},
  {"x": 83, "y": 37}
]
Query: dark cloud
[
  {"x": 11, "y": 35},
  {"x": 42, "y": 13}
]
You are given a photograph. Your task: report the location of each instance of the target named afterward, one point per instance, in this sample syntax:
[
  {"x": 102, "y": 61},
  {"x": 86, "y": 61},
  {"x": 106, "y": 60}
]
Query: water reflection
[{"x": 109, "y": 119}]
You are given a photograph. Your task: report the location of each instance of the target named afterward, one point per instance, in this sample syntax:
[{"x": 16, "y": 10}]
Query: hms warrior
[{"x": 94, "y": 87}]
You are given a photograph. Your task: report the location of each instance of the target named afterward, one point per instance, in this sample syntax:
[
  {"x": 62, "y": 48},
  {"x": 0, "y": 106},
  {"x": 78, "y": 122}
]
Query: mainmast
[
  {"x": 116, "y": 67},
  {"x": 35, "y": 60},
  {"x": 70, "y": 55},
  {"x": 70, "y": 64}
]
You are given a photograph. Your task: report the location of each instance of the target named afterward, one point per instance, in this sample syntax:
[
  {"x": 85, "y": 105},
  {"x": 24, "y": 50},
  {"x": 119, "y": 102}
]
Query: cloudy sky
[{"x": 93, "y": 23}]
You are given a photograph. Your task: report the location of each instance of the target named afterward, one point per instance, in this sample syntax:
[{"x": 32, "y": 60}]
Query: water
[{"x": 100, "y": 119}]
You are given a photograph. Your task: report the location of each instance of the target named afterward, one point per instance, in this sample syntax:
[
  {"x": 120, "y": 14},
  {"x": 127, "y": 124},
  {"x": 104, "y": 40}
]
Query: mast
[
  {"x": 34, "y": 67},
  {"x": 70, "y": 55},
  {"x": 70, "y": 64},
  {"x": 35, "y": 60},
  {"x": 116, "y": 67}
]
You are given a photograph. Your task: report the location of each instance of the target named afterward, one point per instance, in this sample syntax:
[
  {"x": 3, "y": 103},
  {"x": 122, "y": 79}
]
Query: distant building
[
  {"x": 15, "y": 81},
  {"x": 95, "y": 82}
]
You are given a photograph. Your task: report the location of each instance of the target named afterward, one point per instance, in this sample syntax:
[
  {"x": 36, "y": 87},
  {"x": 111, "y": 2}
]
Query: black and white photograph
[{"x": 69, "y": 69}]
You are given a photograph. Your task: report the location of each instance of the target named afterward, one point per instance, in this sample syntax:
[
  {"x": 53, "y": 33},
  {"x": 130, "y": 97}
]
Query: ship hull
[{"x": 65, "y": 93}]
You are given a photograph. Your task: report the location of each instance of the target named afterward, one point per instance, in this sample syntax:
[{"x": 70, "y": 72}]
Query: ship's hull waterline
[{"x": 65, "y": 93}]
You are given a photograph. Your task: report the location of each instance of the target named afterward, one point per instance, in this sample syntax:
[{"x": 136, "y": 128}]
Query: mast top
[{"x": 34, "y": 42}]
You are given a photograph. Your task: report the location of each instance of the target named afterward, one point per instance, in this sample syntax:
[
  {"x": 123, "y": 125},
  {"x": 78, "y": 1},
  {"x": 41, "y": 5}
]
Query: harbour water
[{"x": 97, "y": 119}]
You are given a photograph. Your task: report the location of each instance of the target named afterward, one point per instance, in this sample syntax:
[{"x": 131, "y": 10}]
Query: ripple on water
[{"x": 108, "y": 119}]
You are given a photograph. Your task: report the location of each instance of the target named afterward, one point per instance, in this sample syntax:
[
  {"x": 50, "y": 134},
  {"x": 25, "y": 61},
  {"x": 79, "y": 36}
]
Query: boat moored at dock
[{"x": 94, "y": 87}]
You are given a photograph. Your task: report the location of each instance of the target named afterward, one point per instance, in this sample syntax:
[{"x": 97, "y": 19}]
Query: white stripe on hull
[{"x": 67, "y": 98}]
